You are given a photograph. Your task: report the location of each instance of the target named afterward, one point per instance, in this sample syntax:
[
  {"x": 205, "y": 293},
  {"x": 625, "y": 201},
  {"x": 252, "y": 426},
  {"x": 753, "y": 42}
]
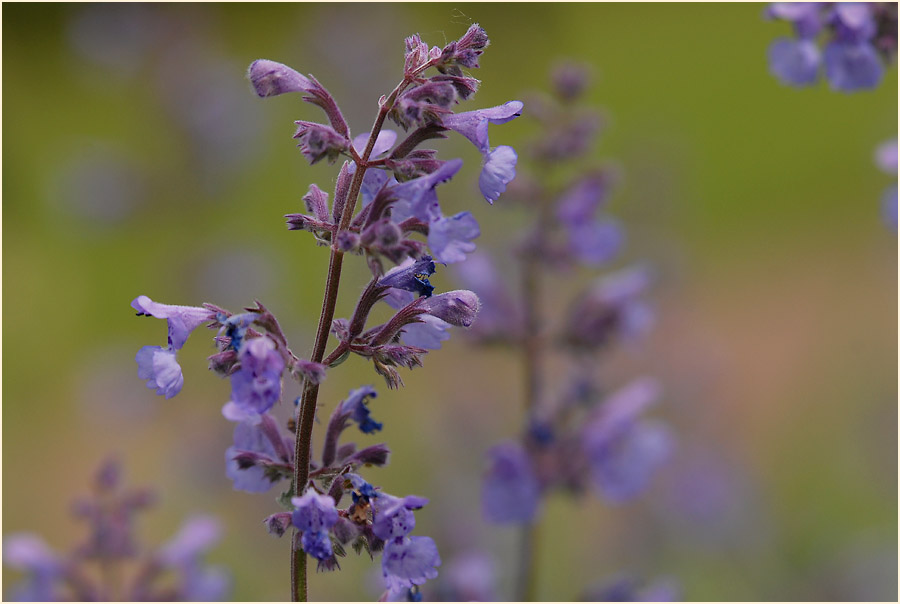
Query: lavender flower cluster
[
  {"x": 111, "y": 564},
  {"x": 861, "y": 38},
  {"x": 577, "y": 433},
  {"x": 396, "y": 183}
]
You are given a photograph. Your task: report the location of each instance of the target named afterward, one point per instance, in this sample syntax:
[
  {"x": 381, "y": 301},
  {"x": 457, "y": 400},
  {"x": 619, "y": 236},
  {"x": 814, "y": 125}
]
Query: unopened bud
[{"x": 458, "y": 307}]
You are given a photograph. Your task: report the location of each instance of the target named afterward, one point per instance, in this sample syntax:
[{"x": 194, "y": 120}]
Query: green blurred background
[{"x": 137, "y": 161}]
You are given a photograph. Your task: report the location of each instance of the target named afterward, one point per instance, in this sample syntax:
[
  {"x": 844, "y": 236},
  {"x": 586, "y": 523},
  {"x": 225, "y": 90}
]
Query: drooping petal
[
  {"x": 386, "y": 139},
  {"x": 410, "y": 561},
  {"x": 794, "y": 62},
  {"x": 182, "y": 320},
  {"x": 510, "y": 493},
  {"x": 196, "y": 535},
  {"x": 160, "y": 368},
  {"x": 474, "y": 124},
  {"x": 853, "y": 66},
  {"x": 450, "y": 237},
  {"x": 418, "y": 198},
  {"x": 428, "y": 334},
  {"x": 498, "y": 170},
  {"x": 622, "y": 467},
  {"x": 596, "y": 242},
  {"x": 394, "y": 517}
]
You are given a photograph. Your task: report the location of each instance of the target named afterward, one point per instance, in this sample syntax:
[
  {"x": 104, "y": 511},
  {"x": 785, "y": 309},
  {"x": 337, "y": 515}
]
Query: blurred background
[{"x": 138, "y": 161}]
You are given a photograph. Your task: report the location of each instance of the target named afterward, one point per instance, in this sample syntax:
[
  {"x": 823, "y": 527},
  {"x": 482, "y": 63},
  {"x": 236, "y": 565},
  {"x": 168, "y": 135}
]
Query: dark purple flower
[
  {"x": 853, "y": 21},
  {"x": 795, "y": 62},
  {"x": 182, "y": 320},
  {"x": 622, "y": 449},
  {"x": 450, "y": 238},
  {"x": 256, "y": 385},
  {"x": 409, "y": 561},
  {"x": 852, "y": 66},
  {"x": 511, "y": 491},
  {"x": 411, "y": 276},
  {"x": 355, "y": 405},
  {"x": 314, "y": 515},
  {"x": 160, "y": 368},
  {"x": 498, "y": 170}
]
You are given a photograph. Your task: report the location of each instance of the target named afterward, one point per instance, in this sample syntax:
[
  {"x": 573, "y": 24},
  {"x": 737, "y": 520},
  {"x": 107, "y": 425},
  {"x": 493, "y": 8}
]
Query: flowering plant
[{"x": 384, "y": 198}]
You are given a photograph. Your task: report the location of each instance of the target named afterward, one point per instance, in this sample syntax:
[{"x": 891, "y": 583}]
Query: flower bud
[
  {"x": 318, "y": 141},
  {"x": 278, "y": 524},
  {"x": 270, "y": 78},
  {"x": 458, "y": 307}
]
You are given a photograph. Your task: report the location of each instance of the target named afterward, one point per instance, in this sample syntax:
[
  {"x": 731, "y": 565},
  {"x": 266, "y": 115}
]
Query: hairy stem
[{"x": 309, "y": 399}]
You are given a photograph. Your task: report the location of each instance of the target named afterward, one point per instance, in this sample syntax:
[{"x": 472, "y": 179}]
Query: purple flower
[
  {"x": 383, "y": 143},
  {"x": 355, "y": 405},
  {"x": 886, "y": 156},
  {"x": 314, "y": 515},
  {"x": 581, "y": 201},
  {"x": 182, "y": 320},
  {"x": 160, "y": 368},
  {"x": 411, "y": 276},
  {"x": 611, "y": 307},
  {"x": 853, "y": 21},
  {"x": 474, "y": 124},
  {"x": 851, "y": 66},
  {"x": 511, "y": 491},
  {"x": 795, "y": 62},
  {"x": 499, "y": 165},
  {"x": 595, "y": 242},
  {"x": 418, "y": 198},
  {"x": 499, "y": 314},
  {"x": 450, "y": 238},
  {"x": 889, "y": 207},
  {"x": 428, "y": 334},
  {"x": 623, "y": 450},
  {"x": 409, "y": 561},
  {"x": 197, "y": 535},
  {"x": 806, "y": 16},
  {"x": 394, "y": 517},
  {"x": 256, "y": 386},
  {"x": 244, "y": 473},
  {"x": 29, "y": 553},
  {"x": 498, "y": 170}
]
